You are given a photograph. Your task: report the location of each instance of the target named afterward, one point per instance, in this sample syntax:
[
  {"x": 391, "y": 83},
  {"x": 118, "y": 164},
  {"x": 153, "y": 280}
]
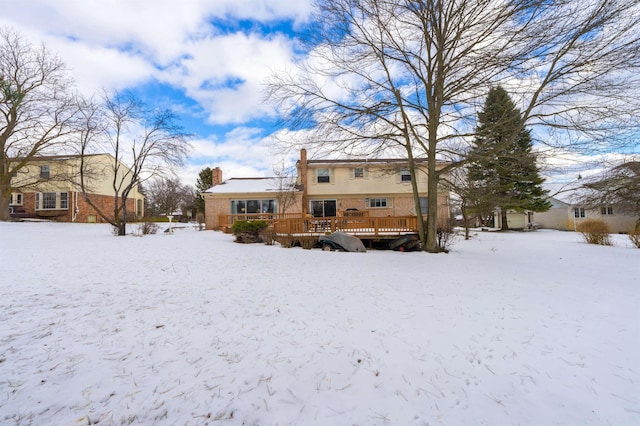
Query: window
[
  {"x": 323, "y": 208},
  {"x": 253, "y": 206},
  {"x": 606, "y": 210},
  {"x": 579, "y": 212},
  {"x": 52, "y": 200},
  {"x": 424, "y": 202},
  {"x": 358, "y": 172},
  {"x": 405, "y": 176},
  {"x": 64, "y": 200},
  {"x": 16, "y": 199},
  {"x": 323, "y": 176},
  {"x": 376, "y": 203},
  {"x": 48, "y": 200},
  {"x": 45, "y": 172}
]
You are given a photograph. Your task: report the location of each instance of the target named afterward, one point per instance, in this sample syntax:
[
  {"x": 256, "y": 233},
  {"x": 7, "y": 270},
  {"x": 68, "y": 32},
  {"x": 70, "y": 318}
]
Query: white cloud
[
  {"x": 225, "y": 73},
  {"x": 94, "y": 68},
  {"x": 117, "y": 43},
  {"x": 242, "y": 152}
]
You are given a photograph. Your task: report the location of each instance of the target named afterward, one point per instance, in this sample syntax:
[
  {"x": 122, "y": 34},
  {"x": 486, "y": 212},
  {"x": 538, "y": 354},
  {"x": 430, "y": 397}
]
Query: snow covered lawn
[{"x": 533, "y": 328}]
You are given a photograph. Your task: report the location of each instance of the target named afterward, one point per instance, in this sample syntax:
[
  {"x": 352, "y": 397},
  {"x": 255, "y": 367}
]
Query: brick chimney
[{"x": 216, "y": 176}]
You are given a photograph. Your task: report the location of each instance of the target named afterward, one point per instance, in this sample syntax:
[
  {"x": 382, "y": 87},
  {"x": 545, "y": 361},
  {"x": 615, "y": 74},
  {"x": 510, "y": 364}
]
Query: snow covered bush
[{"x": 595, "y": 232}]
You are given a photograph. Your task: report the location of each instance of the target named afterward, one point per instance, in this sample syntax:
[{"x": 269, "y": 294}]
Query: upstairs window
[
  {"x": 405, "y": 175},
  {"x": 358, "y": 172},
  {"x": 323, "y": 176},
  {"x": 45, "y": 171},
  {"x": 606, "y": 210}
]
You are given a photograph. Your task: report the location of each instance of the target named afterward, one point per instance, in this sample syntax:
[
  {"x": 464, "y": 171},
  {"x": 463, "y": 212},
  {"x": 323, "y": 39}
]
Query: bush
[
  {"x": 147, "y": 228},
  {"x": 446, "y": 236},
  {"x": 248, "y": 226},
  {"x": 268, "y": 236},
  {"x": 595, "y": 232},
  {"x": 307, "y": 243},
  {"x": 285, "y": 241},
  {"x": 634, "y": 236},
  {"x": 201, "y": 221},
  {"x": 248, "y": 231}
]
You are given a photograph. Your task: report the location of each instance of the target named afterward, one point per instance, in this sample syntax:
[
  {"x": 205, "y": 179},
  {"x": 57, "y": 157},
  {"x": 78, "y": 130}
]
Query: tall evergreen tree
[
  {"x": 503, "y": 167},
  {"x": 204, "y": 182}
]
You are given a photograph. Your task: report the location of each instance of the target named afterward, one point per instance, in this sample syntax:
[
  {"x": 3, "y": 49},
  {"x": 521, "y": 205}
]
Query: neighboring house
[
  {"x": 326, "y": 188},
  {"x": 516, "y": 219},
  {"x": 48, "y": 188},
  {"x": 567, "y": 212}
]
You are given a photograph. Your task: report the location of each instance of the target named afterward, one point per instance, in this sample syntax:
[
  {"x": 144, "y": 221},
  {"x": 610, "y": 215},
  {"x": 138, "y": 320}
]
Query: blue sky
[{"x": 204, "y": 59}]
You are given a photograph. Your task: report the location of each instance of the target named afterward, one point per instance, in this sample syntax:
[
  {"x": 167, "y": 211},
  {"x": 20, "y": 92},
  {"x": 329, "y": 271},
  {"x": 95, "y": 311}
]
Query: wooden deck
[
  {"x": 357, "y": 223},
  {"x": 363, "y": 227}
]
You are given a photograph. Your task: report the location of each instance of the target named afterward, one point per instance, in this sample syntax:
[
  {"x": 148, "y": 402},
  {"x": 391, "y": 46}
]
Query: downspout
[
  {"x": 74, "y": 214},
  {"x": 76, "y": 209}
]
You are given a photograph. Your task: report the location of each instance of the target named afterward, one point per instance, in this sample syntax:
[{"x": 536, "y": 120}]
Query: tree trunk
[
  {"x": 432, "y": 193},
  {"x": 465, "y": 218},
  {"x": 505, "y": 224},
  {"x": 4, "y": 207}
]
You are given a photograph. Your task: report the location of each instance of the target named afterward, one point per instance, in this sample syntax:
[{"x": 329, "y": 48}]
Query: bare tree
[
  {"x": 36, "y": 110},
  {"x": 411, "y": 74},
  {"x": 167, "y": 195},
  {"x": 285, "y": 187},
  {"x": 619, "y": 187},
  {"x": 144, "y": 143}
]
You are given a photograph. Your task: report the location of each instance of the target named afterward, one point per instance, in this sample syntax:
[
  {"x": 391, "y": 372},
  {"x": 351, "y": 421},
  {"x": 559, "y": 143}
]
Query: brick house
[
  {"x": 326, "y": 188},
  {"x": 48, "y": 188}
]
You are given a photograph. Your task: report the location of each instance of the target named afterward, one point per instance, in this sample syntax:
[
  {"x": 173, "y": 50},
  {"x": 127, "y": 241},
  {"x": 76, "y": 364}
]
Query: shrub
[
  {"x": 248, "y": 231},
  {"x": 446, "y": 236},
  {"x": 268, "y": 236},
  {"x": 201, "y": 220},
  {"x": 147, "y": 228},
  {"x": 285, "y": 241},
  {"x": 248, "y": 226},
  {"x": 595, "y": 232},
  {"x": 307, "y": 243},
  {"x": 634, "y": 236}
]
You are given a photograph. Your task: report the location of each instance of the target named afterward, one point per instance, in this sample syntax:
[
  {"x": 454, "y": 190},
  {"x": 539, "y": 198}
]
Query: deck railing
[
  {"x": 355, "y": 223},
  {"x": 227, "y": 220},
  {"x": 369, "y": 226}
]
